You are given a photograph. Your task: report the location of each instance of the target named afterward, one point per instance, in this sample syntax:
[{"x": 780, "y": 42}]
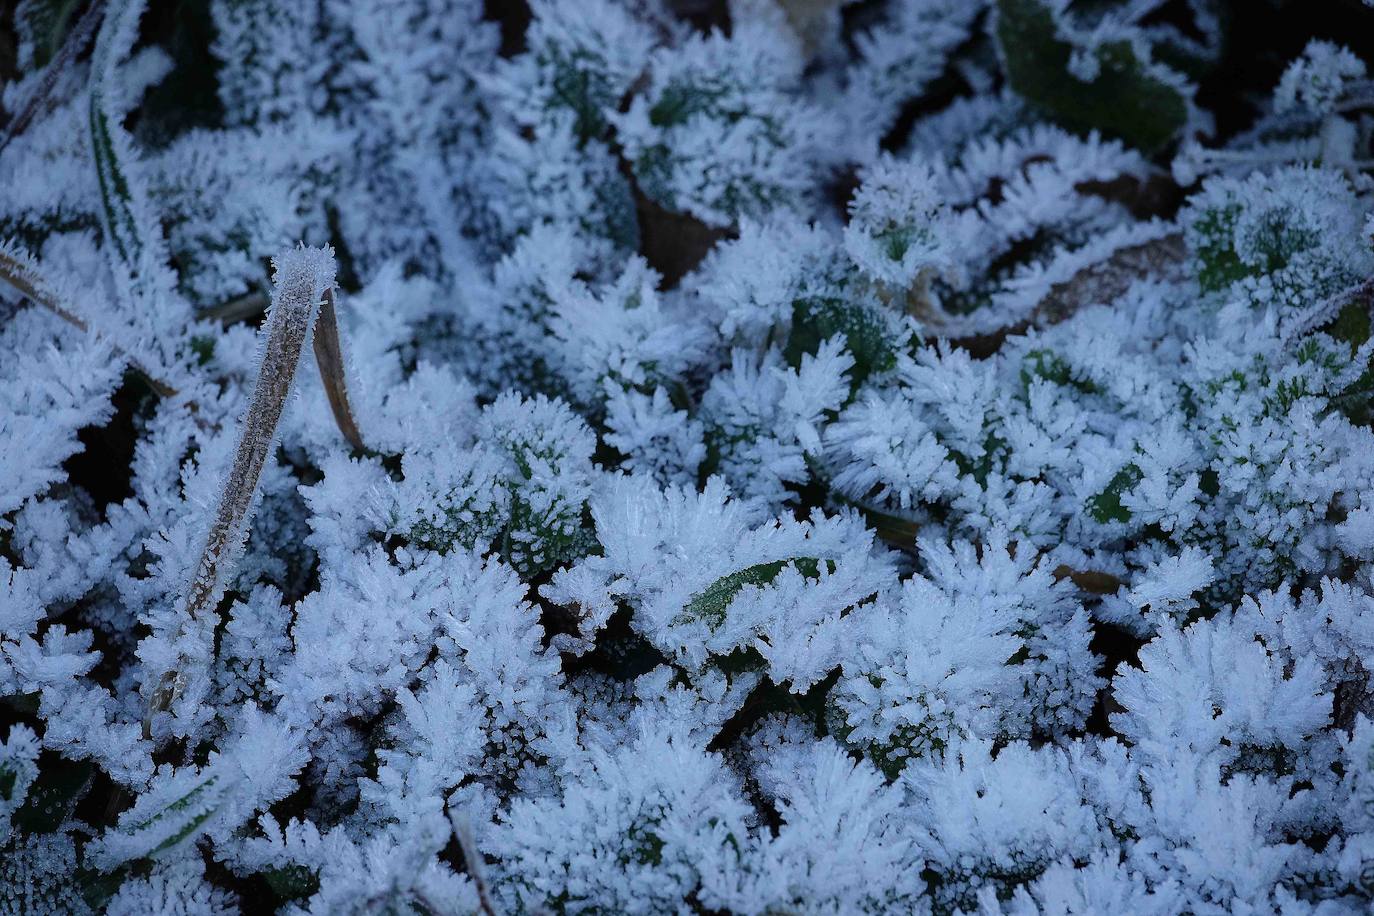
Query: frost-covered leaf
[{"x": 1126, "y": 95}]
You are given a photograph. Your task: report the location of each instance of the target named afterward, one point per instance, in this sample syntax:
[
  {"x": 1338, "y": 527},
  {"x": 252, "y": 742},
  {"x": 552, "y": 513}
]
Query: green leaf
[
  {"x": 192, "y": 824},
  {"x": 1046, "y": 364},
  {"x": 54, "y": 794},
  {"x": 98, "y": 887},
  {"x": 45, "y": 23},
  {"x": 710, "y": 603},
  {"x": 1351, "y": 324},
  {"x": 1212, "y": 240},
  {"x": 616, "y": 200},
  {"x": 679, "y": 101},
  {"x": 1128, "y": 100},
  {"x": 1106, "y": 506},
  {"x": 867, "y": 335},
  {"x": 115, "y": 197},
  {"x": 116, "y": 194},
  {"x": 292, "y": 882}
]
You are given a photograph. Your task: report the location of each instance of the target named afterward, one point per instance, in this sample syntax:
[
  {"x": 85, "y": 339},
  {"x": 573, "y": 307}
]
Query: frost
[
  {"x": 18, "y": 767},
  {"x": 1318, "y": 79},
  {"x": 759, "y": 457}
]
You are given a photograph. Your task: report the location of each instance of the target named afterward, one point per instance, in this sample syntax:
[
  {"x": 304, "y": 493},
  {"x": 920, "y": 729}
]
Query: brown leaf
[{"x": 329, "y": 355}]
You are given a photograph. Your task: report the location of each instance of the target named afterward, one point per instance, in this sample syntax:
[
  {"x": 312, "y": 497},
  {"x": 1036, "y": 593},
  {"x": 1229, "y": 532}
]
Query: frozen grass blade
[
  {"x": 108, "y": 141},
  {"x": 21, "y": 272},
  {"x": 302, "y": 277},
  {"x": 328, "y": 354}
]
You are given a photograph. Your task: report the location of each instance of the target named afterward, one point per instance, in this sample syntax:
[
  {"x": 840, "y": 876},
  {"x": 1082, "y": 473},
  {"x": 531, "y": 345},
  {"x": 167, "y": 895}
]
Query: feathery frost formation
[{"x": 775, "y": 456}]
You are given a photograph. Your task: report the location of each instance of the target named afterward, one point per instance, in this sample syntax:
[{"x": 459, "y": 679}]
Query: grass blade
[
  {"x": 329, "y": 355},
  {"x": 302, "y": 278}
]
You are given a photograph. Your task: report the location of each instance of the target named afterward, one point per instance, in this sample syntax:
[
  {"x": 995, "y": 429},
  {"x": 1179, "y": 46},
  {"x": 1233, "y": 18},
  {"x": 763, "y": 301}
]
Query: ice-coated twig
[
  {"x": 75, "y": 43},
  {"x": 329, "y": 354},
  {"x": 472, "y": 858},
  {"x": 21, "y": 272},
  {"x": 301, "y": 279}
]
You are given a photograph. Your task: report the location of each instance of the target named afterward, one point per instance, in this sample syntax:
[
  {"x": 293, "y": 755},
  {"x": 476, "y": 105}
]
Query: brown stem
[
  {"x": 22, "y": 278},
  {"x": 249, "y": 305},
  {"x": 329, "y": 355}
]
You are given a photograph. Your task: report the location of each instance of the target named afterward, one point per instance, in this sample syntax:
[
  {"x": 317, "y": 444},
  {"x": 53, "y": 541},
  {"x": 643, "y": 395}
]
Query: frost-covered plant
[
  {"x": 720, "y": 131},
  {"x": 1320, "y": 113},
  {"x": 18, "y": 767},
  {"x": 760, "y": 457},
  {"x": 984, "y": 646},
  {"x": 556, "y": 164},
  {"x": 1107, "y": 67},
  {"x": 1288, "y": 241}
]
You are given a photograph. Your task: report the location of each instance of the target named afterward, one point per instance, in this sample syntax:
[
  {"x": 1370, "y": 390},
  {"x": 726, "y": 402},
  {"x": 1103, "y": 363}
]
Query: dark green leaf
[
  {"x": 54, "y": 794},
  {"x": 1106, "y": 506},
  {"x": 710, "y": 603},
  {"x": 1127, "y": 101},
  {"x": 45, "y": 23}
]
